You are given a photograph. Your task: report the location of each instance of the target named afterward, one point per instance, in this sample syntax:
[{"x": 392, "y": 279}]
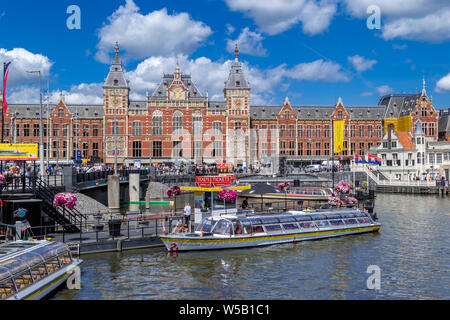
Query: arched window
[
  {"x": 177, "y": 122},
  {"x": 157, "y": 122},
  {"x": 61, "y": 113}
]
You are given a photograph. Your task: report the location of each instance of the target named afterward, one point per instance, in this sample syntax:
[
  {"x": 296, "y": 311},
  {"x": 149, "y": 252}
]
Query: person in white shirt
[{"x": 187, "y": 214}]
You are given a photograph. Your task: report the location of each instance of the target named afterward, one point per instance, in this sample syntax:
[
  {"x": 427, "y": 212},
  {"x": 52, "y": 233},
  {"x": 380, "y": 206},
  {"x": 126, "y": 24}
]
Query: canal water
[{"x": 412, "y": 251}]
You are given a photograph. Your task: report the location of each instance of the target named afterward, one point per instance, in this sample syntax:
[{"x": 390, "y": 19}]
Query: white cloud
[
  {"x": 360, "y": 63},
  {"x": 249, "y": 43},
  {"x": 274, "y": 17},
  {"x": 434, "y": 27},
  {"x": 384, "y": 90},
  {"x": 154, "y": 34},
  {"x": 84, "y": 93},
  {"x": 367, "y": 94},
  {"x": 22, "y": 61},
  {"x": 399, "y": 46},
  {"x": 319, "y": 70},
  {"x": 443, "y": 85},
  {"x": 422, "y": 20},
  {"x": 210, "y": 75},
  {"x": 230, "y": 29}
]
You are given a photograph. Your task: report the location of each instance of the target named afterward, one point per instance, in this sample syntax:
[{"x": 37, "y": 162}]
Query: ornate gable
[{"x": 340, "y": 113}]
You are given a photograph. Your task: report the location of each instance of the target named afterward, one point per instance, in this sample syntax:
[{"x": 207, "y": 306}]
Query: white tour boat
[
  {"x": 30, "y": 270},
  {"x": 240, "y": 231}
]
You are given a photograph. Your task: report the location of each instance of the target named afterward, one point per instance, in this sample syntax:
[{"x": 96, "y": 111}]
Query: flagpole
[{"x": 332, "y": 149}]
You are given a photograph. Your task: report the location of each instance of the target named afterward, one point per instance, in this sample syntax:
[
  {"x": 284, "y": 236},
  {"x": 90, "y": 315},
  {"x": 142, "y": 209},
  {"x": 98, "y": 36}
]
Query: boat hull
[{"x": 189, "y": 243}]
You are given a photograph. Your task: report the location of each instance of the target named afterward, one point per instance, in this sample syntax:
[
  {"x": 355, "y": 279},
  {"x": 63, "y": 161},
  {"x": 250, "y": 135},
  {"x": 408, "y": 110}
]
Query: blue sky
[{"x": 309, "y": 50}]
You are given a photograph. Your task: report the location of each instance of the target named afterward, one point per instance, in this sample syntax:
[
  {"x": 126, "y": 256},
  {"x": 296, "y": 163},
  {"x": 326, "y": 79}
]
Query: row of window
[
  {"x": 319, "y": 131},
  {"x": 25, "y": 130},
  {"x": 226, "y": 227},
  {"x": 177, "y": 149},
  {"x": 320, "y": 149}
]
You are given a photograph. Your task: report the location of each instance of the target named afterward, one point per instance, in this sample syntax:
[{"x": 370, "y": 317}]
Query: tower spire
[
  {"x": 424, "y": 91},
  {"x": 236, "y": 53},
  {"x": 117, "y": 52}
]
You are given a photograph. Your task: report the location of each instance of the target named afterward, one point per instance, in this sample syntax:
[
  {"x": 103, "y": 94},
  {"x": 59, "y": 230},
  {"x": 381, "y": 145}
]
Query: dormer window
[
  {"x": 116, "y": 82},
  {"x": 286, "y": 115},
  {"x": 116, "y": 69},
  {"x": 238, "y": 83}
]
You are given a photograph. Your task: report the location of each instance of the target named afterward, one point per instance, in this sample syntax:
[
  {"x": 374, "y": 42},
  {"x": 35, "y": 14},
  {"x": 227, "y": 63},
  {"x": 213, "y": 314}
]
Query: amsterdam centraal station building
[{"x": 178, "y": 123}]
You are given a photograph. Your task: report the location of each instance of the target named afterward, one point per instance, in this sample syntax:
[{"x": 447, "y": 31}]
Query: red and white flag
[{"x": 5, "y": 78}]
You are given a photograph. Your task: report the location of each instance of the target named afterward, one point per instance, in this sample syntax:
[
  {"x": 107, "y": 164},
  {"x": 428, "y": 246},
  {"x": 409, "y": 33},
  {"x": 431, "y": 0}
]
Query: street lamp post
[{"x": 41, "y": 145}]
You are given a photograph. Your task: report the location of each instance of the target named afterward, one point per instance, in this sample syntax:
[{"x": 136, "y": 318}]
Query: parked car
[{"x": 314, "y": 168}]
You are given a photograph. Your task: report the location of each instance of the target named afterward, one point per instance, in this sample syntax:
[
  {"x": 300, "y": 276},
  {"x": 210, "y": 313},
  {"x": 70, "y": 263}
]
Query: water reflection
[{"x": 412, "y": 251}]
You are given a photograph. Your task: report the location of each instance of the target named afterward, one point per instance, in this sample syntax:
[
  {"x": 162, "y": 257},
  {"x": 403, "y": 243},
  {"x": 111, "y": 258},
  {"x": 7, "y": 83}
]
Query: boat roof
[
  {"x": 297, "y": 215},
  {"x": 17, "y": 256}
]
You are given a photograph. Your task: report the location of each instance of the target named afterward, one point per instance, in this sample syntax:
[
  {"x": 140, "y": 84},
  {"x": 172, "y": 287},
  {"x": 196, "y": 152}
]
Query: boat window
[
  {"x": 255, "y": 221},
  {"x": 323, "y": 223},
  {"x": 206, "y": 225},
  {"x": 318, "y": 217},
  {"x": 287, "y": 219},
  {"x": 273, "y": 227},
  {"x": 360, "y": 214},
  {"x": 290, "y": 226},
  {"x": 51, "y": 250},
  {"x": 23, "y": 280},
  {"x": 257, "y": 229},
  {"x": 246, "y": 225},
  {"x": 52, "y": 265},
  {"x": 270, "y": 220},
  {"x": 65, "y": 258},
  {"x": 307, "y": 225},
  {"x": 333, "y": 216},
  {"x": 7, "y": 288},
  {"x": 317, "y": 193},
  {"x": 348, "y": 215},
  {"x": 363, "y": 220},
  {"x": 238, "y": 227},
  {"x": 351, "y": 221},
  {"x": 39, "y": 272},
  {"x": 223, "y": 227},
  {"x": 337, "y": 222},
  {"x": 303, "y": 218}
]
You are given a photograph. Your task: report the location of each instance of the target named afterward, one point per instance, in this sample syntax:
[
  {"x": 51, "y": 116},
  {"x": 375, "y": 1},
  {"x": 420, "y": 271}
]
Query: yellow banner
[
  {"x": 339, "y": 127},
  {"x": 400, "y": 124},
  {"x": 18, "y": 151}
]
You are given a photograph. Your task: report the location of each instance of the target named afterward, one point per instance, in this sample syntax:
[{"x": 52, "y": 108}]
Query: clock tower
[
  {"x": 116, "y": 93},
  {"x": 237, "y": 99}
]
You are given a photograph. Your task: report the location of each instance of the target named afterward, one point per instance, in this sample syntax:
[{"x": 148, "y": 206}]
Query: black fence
[{"x": 93, "y": 231}]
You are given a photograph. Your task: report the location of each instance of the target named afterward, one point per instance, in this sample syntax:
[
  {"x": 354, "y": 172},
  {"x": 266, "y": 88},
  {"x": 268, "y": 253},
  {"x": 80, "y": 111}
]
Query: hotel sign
[
  {"x": 18, "y": 151},
  {"x": 216, "y": 181}
]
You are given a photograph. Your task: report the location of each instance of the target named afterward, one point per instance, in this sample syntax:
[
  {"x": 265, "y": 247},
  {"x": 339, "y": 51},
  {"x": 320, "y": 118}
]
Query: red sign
[{"x": 216, "y": 181}]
